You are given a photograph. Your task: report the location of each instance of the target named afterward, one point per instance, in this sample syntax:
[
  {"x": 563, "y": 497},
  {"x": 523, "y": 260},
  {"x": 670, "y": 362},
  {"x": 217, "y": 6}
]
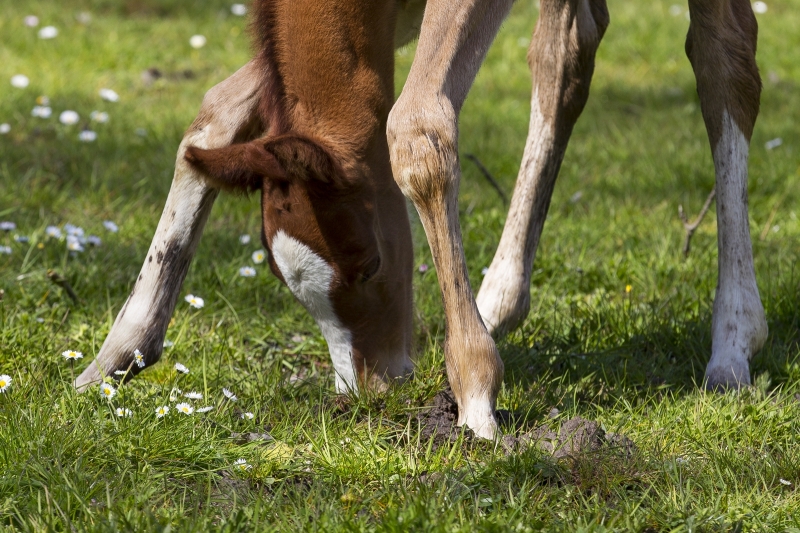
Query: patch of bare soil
[
  {"x": 438, "y": 421},
  {"x": 573, "y": 437}
]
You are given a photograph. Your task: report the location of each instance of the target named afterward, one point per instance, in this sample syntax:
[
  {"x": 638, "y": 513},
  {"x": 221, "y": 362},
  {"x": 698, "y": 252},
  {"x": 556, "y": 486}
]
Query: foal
[{"x": 306, "y": 122}]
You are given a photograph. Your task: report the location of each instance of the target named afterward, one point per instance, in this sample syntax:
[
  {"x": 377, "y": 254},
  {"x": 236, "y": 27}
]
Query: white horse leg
[
  {"x": 227, "y": 115},
  {"x": 561, "y": 59},
  {"x": 721, "y": 46}
]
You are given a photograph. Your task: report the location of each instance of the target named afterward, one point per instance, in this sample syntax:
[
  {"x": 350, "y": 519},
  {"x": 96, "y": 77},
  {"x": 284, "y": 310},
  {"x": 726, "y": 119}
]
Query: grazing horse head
[{"x": 338, "y": 238}]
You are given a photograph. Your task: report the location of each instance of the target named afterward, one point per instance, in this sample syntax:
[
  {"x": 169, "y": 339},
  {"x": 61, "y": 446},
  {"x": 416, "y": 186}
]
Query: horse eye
[{"x": 371, "y": 270}]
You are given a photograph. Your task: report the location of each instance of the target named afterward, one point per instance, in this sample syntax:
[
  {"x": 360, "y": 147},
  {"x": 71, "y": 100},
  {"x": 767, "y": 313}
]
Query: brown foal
[{"x": 311, "y": 122}]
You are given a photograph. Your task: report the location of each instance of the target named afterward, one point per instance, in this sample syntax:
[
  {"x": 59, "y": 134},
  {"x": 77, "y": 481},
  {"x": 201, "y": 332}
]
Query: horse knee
[{"x": 424, "y": 153}]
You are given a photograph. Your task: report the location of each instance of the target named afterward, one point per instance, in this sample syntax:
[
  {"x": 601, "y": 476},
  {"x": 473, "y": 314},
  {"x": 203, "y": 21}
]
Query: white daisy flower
[
  {"x": 760, "y": 7},
  {"x": 244, "y": 239},
  {"x": 110, "y": 226},
  {"x": 205, "y": 409},
  {"x": 107, "y": 391},
  {"x": 48, "y": 32},
  {"x": 94, "y": 240},
  {"x": 773, "y": 143},
  {"x": 195, "y": 301},
  {"x": 785, "y": 482},
  {"x": 109, "y": 95},
  {"x": 180, "y": 367},
  {"x": 248, "y": 416},
  {"x": 239, "y": 10},
  {"x": 174, "y": 393},
  {"x": 5, "y": 250},
  {"x": 138, "y": 358},
  {"x": 71, "y": 355},
  {"x": 162, "y": 411},
  {"x": 120, "y": 372},
  {"x": 20, "y": 81},
  {"x": 5, "y": 382},
  {"x": 247, "y": 272},
  {"x": 184, "y": 408},
  {"x": 7, "y": 225},
  {"x": 87, "y": 136},
  {"x": 42, "y": 100},
  {"x": 168, "y": 344},
  {"x": 75, "y": 231},
  {"x": 124, "y": 412},
  {"x": 241, "y": 464},
  {"x": 74, "y": 244},
  {"x": 197, "y": 41},
  {"x": 193, "y": 395},
  {"x": 5, "y": 127},
  {"x": 41, "y": 111},
  {"x": 31, "y": 21},
  {"x": 69, "y": 117},
  {"x": 99, "y": 116},
  {"x": 229, "y": 395},
  {"x": 54, "y": 232},
  {"x": 258, "y": 257}
]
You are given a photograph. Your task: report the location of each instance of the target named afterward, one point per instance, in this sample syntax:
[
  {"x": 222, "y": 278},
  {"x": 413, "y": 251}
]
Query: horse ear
[
  {"x": 289, "y": 157},
  {"x": 238, "y": 167},
  {"x": 305, "y": 159}
]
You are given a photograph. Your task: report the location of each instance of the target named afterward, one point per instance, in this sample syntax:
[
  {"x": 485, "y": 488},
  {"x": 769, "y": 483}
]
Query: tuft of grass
[{"x": 630, "y": 360}]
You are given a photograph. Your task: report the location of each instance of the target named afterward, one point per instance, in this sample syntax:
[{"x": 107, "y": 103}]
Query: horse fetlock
[
  {"x": 475, "y": 371},
  {"x": 504, "y": 299},
  {"x": 739, "y": 331},
  {"x": 477, "y": 413}
]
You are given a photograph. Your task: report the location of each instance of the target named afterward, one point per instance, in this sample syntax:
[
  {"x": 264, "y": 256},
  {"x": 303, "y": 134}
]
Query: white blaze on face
[{"x": 309, "y": 278}]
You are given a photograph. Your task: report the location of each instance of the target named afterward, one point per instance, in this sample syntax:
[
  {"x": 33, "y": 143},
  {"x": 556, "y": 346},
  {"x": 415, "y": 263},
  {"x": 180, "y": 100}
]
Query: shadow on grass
[{"x": 662, "y": 354}]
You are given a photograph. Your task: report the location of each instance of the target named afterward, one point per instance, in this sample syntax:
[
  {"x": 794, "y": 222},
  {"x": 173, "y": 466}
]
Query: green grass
[{"x": 630, "y": 360}]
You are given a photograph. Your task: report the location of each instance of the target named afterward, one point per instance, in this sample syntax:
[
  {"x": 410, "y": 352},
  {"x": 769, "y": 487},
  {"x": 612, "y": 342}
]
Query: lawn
[{"x": 618, "y": 334}]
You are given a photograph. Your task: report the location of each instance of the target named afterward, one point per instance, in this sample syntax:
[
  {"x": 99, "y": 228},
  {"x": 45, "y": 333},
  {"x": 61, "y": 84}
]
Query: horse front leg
[
  {"x": 227, "y": 115},
  {"x": 423, "y": 142}
]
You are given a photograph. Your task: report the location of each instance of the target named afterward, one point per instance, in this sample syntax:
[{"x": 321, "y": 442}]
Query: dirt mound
[
  {"x": 438, "y": 421},
  {"x": 571, "y": 438},
  {"x": 576, "y": 436}
]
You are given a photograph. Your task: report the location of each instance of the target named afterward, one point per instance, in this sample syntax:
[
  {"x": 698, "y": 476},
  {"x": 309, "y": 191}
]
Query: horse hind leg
[
  {"x": 561, "y": 59},
  {"x": 721, "y": 46}
]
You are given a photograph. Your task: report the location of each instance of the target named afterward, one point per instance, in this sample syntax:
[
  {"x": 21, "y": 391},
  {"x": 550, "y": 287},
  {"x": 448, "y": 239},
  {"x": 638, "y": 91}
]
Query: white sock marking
[
  {"x": 505, "y": 292},
  {"x": 738, "y": 328}
]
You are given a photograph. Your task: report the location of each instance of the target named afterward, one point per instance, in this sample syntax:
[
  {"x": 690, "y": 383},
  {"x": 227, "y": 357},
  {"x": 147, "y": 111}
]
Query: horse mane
[{"x": 272, "y": 103}]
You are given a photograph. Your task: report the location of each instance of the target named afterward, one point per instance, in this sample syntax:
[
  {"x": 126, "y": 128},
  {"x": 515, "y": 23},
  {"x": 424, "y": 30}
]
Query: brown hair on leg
[{"x": 721, "y": 45}]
